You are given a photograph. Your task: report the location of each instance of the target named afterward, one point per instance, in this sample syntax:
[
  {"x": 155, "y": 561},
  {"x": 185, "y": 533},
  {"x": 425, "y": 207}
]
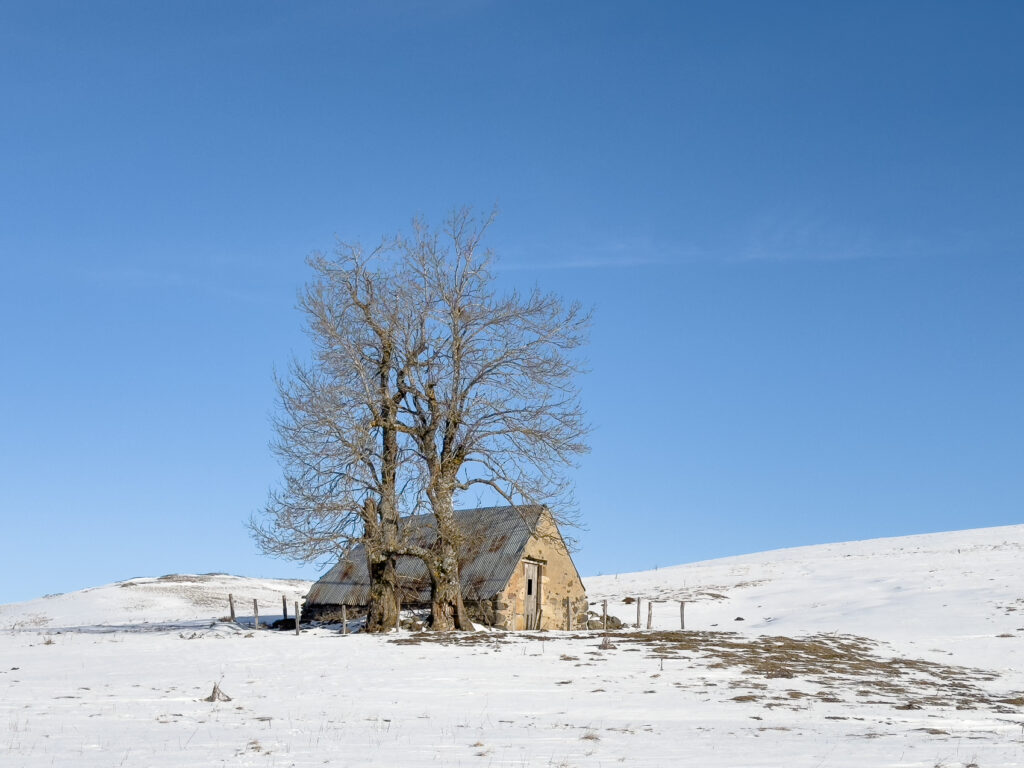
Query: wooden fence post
[
  {"x": 604, "y": 614},
  {"x": 256, "y": 612},
  {"x": 650, "y": 614},
  {"x": 284, "y": 607},
  {"x": 638, "y": 613},
  {"x": 231, "y": 605},
  {"x": 296, "y": 618},
  {"x": 682, "y": 614},
  {"x": 344, "y": 619}
]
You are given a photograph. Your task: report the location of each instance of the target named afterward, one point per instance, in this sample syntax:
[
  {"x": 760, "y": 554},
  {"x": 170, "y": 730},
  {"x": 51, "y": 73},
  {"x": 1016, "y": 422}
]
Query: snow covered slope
[
  {"x": 895, "y": 652},
  {"x": 171, "y": 599},
  {"x": 962, "y": 592}
]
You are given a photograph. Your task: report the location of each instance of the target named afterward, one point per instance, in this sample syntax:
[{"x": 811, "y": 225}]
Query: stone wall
[{"x": 558, "y": 581}]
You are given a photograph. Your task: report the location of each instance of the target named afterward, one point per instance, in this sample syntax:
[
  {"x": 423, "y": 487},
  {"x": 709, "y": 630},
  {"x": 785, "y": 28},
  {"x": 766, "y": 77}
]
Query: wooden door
[{"x": 531, "y": 601}]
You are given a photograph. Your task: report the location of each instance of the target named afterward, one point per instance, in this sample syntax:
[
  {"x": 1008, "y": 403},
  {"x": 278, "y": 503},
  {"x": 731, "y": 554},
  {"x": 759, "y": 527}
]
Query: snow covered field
[{"x": 893, "y": 652}]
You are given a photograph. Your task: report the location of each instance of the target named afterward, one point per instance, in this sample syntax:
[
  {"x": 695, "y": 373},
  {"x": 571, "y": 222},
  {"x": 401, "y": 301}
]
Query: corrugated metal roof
[{"x": 494, "y": 540}]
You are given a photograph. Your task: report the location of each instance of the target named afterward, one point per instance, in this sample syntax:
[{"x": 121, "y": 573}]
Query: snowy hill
[
  {"x": 171, "y": 599},
  {"x": 962, "y": 591},
  {"x": 893, "y": 652}
]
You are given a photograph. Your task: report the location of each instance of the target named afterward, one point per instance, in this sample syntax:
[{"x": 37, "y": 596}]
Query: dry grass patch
[
  {"x": 839, "y": 667},
  {"x": 836, "y": 665}
]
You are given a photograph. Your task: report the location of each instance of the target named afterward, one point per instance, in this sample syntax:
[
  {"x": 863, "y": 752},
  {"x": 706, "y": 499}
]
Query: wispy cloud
[
  {"x": 804, "y": 237},
  {"x": 583, "y": 262},
  {"x": 615, "y": 254},
  {"x": 817, "y": 238}
]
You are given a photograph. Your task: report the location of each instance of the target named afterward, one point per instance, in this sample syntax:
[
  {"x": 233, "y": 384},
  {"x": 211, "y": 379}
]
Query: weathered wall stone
[
  {"x": 596, "y": 621},
  {"x": 558, "y": 580}
]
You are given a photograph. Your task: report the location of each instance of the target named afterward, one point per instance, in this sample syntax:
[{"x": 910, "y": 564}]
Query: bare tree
[
  {"x": 337, "y": 430},
  {"x": 424, "y": 385},
  {"x": 494, "y": 402}
]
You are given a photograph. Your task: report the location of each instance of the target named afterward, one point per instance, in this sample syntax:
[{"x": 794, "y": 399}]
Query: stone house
[{"x": 516, "y": 572}]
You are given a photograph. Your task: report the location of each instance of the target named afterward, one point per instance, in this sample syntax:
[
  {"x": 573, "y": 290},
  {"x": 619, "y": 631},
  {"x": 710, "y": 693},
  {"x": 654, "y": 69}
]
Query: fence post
[
  {"x": 344, "y": 619},
  {"x": 284, "y": 607},
  {"x": 650, "y": 614},
  {"x": 296, "y": 618},
  {"x": 231, "y": 605},
  {"x": 604, "y": 614},
  {"x": 682, "y": 614},
  {"x": 256, "y": 612},
  {"x": 638, "y": 613}
]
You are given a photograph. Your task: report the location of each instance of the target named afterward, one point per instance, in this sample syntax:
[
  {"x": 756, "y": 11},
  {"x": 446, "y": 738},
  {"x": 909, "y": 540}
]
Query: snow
[
  {"x": 149, "y": 603},
  {"x": 957, "y": 590},
  {"x": 905, "y": 652}
]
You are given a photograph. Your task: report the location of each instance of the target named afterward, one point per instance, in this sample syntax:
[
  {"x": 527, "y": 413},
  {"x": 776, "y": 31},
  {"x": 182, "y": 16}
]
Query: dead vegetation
[
  {"x": 1016, "y": 605},
  {"x": 30, "y": 621},
  {"x": 695, "y": 594},
  {"x": 217, "y": 694},
  {"x": 832, "y": 668},
  {"x": 836, "y": 665}
]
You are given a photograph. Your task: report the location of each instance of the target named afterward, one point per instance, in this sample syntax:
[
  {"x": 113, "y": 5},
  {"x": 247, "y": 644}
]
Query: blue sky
[{"x": 799, "y": 225}]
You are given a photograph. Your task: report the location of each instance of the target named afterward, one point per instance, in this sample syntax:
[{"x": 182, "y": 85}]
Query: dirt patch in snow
[
  {"x": 829, "y": 668},
  {"x": 834, "y": 666}
]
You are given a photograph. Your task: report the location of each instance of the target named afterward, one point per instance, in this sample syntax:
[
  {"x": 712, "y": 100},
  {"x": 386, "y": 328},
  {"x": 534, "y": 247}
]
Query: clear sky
[{"x": 800, "y": 226}]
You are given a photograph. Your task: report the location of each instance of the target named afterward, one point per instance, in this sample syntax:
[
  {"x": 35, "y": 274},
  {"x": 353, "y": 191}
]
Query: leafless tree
[
  {"x": 337, "y": 429},
  {"x": 425, "y": 384},
  {"x": 490, "y": 394}
]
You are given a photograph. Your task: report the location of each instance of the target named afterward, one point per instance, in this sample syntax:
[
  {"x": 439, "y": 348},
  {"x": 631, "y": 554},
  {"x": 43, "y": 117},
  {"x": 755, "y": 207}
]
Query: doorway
[{"x": 532, "y": 601}]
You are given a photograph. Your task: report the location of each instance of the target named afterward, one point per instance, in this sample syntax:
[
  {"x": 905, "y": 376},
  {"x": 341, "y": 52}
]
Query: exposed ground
[{"x": 889, "y": 653}]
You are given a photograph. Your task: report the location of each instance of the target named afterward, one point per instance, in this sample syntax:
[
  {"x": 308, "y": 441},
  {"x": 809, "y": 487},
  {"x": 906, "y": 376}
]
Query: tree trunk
[
  {"x": 447, "y": 610},
  {"x": 381, "y": 540},
  {"x": 384, "y": 604}
]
